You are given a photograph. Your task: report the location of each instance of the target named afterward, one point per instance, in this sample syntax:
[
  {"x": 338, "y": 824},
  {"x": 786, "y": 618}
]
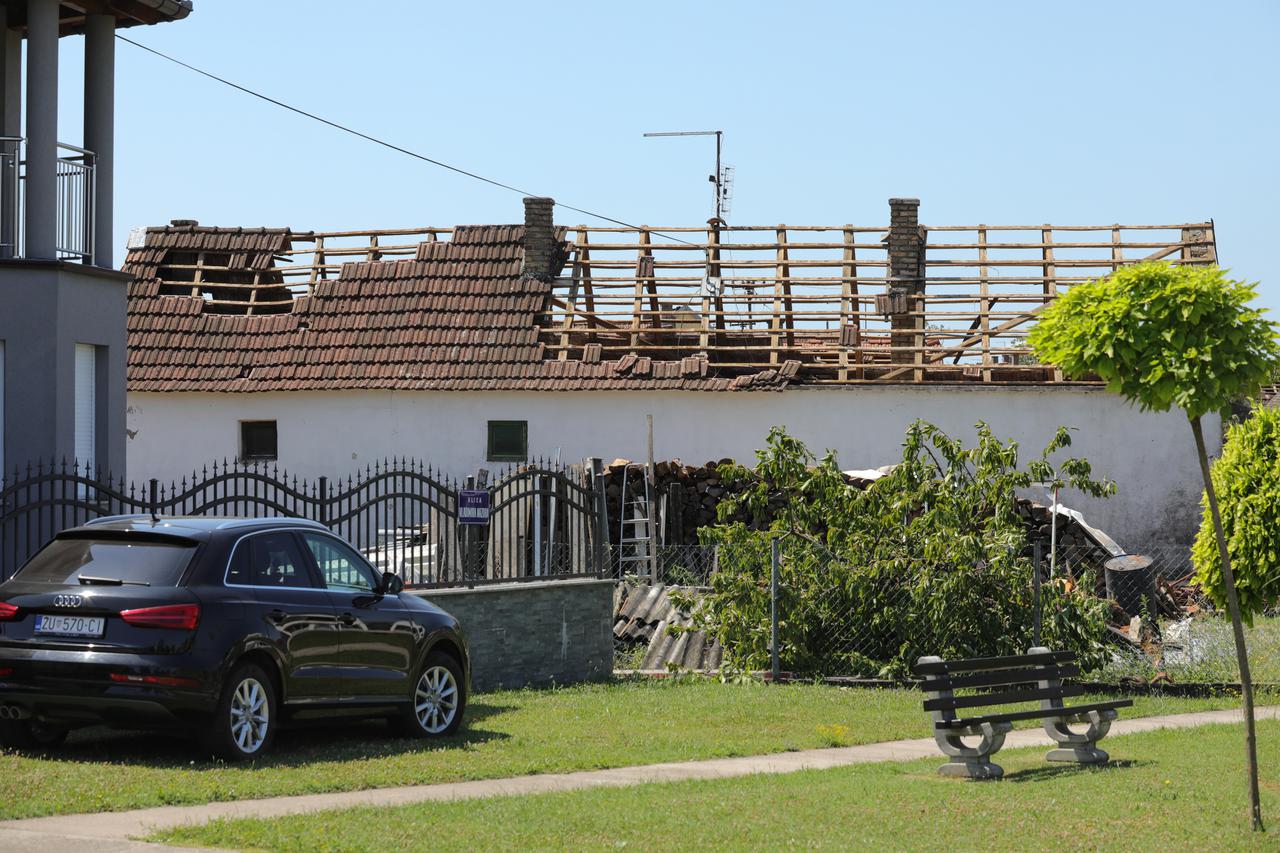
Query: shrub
[{"x": 1247, "y": 481}]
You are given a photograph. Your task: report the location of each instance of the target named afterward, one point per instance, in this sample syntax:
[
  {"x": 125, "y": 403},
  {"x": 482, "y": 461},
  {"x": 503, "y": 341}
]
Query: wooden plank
[
  {"x": 318, "y": 270},
  {"x": 984, "y": 312},
  {"x": 1050, "y": 276},
  {"x": 999, "y": 677},
  {"x": 584, "y": 263},
  {"x": 570, "y": 304},
  {"x": 1012, "y": 716},
  {"x": 968, "y": 342},
  {"x": 782, "y": 270},
  {"x": 643, "y": 253},
  {"x": 714, "y": 270},
  {"x": 1004, "y": 697},
  {"x": 945, "y": 667},
  {"x": 849, "y": 305},
  {"x": 253, "y": 294}
]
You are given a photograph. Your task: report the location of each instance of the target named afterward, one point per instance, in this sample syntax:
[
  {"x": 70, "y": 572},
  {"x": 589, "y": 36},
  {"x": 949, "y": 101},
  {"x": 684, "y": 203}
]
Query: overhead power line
[{"x": 377, "y": 141}]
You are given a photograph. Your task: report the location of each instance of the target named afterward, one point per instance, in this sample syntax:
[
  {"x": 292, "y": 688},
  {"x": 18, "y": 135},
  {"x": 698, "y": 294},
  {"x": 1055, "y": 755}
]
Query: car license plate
[{"x": 70, "y": 626}]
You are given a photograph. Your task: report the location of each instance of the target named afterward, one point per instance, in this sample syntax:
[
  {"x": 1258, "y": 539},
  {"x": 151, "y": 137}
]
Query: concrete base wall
[
  {"x": 534, "y": 634},
  {"x": 1151, "y": 456}
]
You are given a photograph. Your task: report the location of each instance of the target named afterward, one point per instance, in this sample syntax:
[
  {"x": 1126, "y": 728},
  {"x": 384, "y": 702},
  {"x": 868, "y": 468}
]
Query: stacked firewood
[
  {"x": 1078, "y": 549},
  {"x": 686, "y": 495}
]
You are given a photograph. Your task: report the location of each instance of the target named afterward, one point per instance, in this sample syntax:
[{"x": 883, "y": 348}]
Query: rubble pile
[
  {"x": 643, "y": 615},
  {"x": 688, "y": 497}
]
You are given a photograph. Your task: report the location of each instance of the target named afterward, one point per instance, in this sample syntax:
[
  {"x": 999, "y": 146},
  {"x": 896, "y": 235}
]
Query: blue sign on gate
[{"x": 473, "y": 506}]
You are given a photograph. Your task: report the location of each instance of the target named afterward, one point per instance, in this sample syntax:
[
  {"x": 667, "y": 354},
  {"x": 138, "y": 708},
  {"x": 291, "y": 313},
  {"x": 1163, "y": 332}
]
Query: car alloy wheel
[
  {"x": 250, "y": 715},
  {"x": 436, "y": 699}
]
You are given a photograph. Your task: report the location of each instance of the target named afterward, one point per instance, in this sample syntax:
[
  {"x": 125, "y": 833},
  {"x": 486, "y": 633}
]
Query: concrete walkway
[{"x": 53, "y": 834}]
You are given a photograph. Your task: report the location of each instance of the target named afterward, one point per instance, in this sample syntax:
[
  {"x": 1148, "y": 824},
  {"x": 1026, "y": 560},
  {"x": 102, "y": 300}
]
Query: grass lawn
[
  {"x": 505, "y": 734},
  {"x": 1176, "y": 790},
  {"x": 1207, "y": 653}
]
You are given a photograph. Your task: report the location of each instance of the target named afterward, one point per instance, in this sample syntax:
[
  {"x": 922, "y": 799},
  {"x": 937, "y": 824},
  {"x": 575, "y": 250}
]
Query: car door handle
[{"x": 347, "y": 619}]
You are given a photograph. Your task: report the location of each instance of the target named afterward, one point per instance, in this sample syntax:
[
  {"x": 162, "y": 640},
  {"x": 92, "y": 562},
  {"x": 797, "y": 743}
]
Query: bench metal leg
[
  {"x": 973, "y": 762},
  {"x": 1080, "y": 748}
]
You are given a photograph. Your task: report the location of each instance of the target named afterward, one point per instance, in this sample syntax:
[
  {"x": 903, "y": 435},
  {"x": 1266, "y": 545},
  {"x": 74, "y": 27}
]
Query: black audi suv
[{"x": 228, "y": 628}]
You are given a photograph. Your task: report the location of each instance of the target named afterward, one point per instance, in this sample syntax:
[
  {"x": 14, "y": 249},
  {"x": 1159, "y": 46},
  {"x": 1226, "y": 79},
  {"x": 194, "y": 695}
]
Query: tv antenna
[{"x": 723, "y": 176}]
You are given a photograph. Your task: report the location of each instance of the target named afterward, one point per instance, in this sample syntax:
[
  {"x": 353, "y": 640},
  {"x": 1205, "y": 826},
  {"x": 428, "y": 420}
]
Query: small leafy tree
[
  {"x": 931, "y": 559},
  {"x": 1164, "y": 336},
  {"x": 1247, "y": 480}
]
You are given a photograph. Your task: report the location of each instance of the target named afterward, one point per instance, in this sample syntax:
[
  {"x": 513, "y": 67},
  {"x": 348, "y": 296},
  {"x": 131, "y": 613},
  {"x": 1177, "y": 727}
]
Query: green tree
[
  {"x": 1164, "y": 336},
  {"x": 931, "y": 559},
  {"x": 1247, "y": 481}
]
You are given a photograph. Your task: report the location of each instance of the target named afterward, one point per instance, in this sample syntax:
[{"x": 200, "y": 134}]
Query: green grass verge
[
  {"x": 505, "y": 734},
  {"x": 1203, "y": 650},
  {"x": 1172, "y": 789}
]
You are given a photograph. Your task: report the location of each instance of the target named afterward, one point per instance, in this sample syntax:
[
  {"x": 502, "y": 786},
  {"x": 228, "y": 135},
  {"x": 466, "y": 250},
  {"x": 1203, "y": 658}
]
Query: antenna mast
[{"x": 721, "y": 180}]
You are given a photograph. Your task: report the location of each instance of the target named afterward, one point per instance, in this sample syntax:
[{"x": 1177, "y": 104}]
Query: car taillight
[
  {"x": 7, "y": 612},
  {"x": 183, "y": 616},
  {"x": 160, "y": 680}
]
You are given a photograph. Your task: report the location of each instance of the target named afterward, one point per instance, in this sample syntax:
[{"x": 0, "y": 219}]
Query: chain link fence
[{"x": 837, "y": 620}]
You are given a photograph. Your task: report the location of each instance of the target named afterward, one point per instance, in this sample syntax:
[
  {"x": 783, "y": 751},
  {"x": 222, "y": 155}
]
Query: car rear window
[{"x": 65, "y": 560}]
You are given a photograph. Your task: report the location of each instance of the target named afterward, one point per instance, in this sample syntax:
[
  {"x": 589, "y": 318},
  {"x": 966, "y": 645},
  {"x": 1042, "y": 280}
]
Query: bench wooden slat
[
  {"x": 1005, "y": 676},
  {"x": 1038, "y": 714},
  {"x": 1004, "y": 697},
  {"x": 975, "y": 664}
]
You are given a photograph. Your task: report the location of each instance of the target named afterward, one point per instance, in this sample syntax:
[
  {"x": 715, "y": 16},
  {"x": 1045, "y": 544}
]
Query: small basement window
[
  {"x": 257, "y": 441},
  {"x": 508, "y": 441}
]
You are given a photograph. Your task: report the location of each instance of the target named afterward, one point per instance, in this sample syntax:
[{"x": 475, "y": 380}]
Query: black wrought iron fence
[{"x": 541, "y": 520}]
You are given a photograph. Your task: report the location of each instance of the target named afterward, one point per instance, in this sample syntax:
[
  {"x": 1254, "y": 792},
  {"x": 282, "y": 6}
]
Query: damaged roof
[
  {"x": 537, "y": 306},
  {"x": 459, "y": 315}
]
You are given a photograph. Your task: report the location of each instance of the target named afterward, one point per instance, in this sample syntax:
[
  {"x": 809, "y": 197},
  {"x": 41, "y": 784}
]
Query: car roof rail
[
  {"x": 107, "y": 519},
  {"x": 232, "y": 523}
]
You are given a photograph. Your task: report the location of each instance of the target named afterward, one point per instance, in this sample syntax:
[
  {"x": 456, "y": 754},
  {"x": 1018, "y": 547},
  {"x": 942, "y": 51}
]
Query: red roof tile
[{"x": 457, "y": 316}]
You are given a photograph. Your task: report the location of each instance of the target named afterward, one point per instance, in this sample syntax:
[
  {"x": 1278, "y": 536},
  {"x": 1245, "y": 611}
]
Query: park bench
[{"x": 1036, "y": 676}]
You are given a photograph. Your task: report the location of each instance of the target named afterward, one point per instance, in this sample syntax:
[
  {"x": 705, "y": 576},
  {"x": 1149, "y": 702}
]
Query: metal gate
[{"x": 545, "y": 521}]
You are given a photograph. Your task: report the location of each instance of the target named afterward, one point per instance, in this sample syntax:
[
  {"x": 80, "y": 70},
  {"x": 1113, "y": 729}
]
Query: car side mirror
[{"x": 392, "y": 584}]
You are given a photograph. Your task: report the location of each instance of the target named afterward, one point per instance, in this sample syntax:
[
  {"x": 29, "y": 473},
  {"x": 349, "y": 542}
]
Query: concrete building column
[
  {"x": 11, "y": 126},
  {"x": 99, "y": 125},
  {"x": 42, "y": 128}
]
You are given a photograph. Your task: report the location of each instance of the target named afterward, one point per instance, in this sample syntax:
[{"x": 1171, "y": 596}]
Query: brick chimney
[
  {"x": 906, "y": 241},
  {"x": 543, "y": 253}
]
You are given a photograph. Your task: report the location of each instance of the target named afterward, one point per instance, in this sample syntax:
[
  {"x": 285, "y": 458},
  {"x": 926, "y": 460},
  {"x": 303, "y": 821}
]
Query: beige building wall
[{"x": 337, "y": 433}]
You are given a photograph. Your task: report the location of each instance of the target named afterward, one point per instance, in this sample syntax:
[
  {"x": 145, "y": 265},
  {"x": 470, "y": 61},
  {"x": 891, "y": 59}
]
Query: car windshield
[{"x": 69, "y": 561}]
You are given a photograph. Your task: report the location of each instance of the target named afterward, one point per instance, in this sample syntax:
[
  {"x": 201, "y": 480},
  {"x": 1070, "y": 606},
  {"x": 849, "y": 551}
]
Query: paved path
[{"x": 76, "y": 832}]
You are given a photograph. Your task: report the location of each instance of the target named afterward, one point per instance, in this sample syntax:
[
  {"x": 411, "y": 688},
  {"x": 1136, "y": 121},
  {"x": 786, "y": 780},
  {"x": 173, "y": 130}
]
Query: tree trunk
[{"x": 1237, "y": 628}]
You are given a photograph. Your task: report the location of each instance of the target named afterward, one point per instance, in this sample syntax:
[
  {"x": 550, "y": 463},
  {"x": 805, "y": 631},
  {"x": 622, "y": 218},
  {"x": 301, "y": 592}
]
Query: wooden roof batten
[
  {"x": 815, "y": 295},
  {"x": 736, "y": 307}
]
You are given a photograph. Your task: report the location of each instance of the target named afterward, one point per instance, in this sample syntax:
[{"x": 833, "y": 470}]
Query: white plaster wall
[{"x": 1150, "y": 455}]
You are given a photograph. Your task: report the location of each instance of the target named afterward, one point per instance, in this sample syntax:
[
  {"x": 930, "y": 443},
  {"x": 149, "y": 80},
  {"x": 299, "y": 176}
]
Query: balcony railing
[{"x": 74, "y": 191}]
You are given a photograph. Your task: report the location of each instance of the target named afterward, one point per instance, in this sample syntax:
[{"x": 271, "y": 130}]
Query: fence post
[
  {"x": 602, "y": 520},
  {"x": 468, "y": 539},
  {"x": 773, "y": 608},
  {"x": 322, "y": 501},
  {"x": 154, "y": 497},
  {"x": 1035, "y": 593}
]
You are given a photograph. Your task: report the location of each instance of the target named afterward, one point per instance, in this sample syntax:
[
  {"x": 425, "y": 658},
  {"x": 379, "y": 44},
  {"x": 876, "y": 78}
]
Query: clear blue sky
[{"x": 1081, "y": 112}]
